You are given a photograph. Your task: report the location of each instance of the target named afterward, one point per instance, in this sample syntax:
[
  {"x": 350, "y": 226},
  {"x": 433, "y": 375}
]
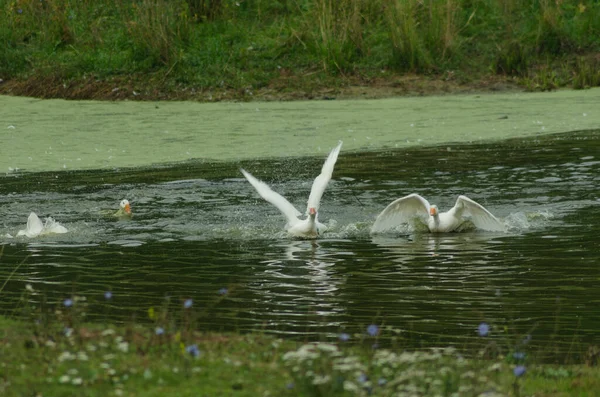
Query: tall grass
[{"x": 240, "y": 44}]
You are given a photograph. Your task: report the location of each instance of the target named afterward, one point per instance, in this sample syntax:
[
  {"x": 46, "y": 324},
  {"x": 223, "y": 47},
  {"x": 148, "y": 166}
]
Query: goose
[
  {"x": 297, "y": 227},
  {"x": 414, "y": 206},
  {"x": 124, "y": 210},
  {"x": 35, "y": 227}
]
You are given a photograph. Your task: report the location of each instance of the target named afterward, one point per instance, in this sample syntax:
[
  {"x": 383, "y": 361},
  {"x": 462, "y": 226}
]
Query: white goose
[
  {"x": 124, "y": 210},
  {"x": 309, "y": 227},
  {"x": 414, "y": 206},
  {"x": 35, "y": 227}
]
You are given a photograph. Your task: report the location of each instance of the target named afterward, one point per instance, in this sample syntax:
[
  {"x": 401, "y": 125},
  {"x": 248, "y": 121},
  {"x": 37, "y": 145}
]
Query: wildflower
[
  {"x": 290, "y": 386},
  {"x": 483, "y": 329},
  {"x": 362, "y": 378},
  {"x": 20, "y": 11},
  {"x": 519, "y": 370},
  {"x": 123, "y": 346},
  {"x": 159, "y": 331},
  {"x": 28, "y": 288},
  {"x": 188, "y": 303},
  {"x": 344, "y": 337},
  {"x": 68, "y": 302},
  {"x": 77, "y": 381},
  {"x": 519, "y": 355},
  {"x": 64, "y": 379},
  {"x": 381, "y": 382},
  {"x": 373, "y": 330},
  {"x": 193, "y": 350},
  {"x": 223, "y": 291},
  {"x": 107, "y": 295},
  {"x": 68, "y": 331}
]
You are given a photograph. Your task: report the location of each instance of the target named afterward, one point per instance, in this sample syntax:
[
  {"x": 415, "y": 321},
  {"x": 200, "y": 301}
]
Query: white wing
[
  {"x": 320, "y": 183},
  {"x": 286, "y": 208},
  {"x": 34, "y": 226},
  {"x": 401, "y": 211},
  {"x": 51, "y": 226},
  {"x": 481, "y": 218}
]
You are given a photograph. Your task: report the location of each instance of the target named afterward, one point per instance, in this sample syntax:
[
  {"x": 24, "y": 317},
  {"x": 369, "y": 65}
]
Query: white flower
[
  {"x": 72, "y": 371},
  {"x": 77, "y": 381},
  {"x": 28, "y": 288},
  {"x": 123, "y": 346},
  {"x": 66, "y": 356},
  {"x": 351, "y": 386},
  {"x": 64, "y": 379},
  {"x": 321, "y": 379},
  {"x": 108, "y": 331},
  {"x": 82, "y": 356}
]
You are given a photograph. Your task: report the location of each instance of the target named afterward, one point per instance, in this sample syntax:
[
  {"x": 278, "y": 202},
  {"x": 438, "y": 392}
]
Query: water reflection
[{"x": 198, "y": 228}]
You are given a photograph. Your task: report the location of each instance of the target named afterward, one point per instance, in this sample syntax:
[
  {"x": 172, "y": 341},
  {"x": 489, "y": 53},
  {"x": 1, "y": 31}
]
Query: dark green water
[{"x": 199, "y": 227}]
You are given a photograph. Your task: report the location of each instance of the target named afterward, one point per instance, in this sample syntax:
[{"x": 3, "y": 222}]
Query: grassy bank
[
  {"x": 51, "y": 349},
  {"x": 224, "y": 49}
]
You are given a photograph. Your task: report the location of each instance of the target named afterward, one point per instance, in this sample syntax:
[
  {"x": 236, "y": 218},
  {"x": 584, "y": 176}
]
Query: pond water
[{"x": 199, "y": 226}]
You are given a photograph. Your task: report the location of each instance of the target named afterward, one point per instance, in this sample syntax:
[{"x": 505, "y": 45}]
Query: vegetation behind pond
[{"x": 269, "y": 49}]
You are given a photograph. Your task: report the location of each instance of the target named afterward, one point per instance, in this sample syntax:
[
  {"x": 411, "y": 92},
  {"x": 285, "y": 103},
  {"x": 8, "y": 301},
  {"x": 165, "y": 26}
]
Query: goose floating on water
[
  {"x": 407, "y": 208},
  {"x": 124, "y": 210},
  {"x": 309, "y": 227},
  {"x": 35, "y": 227}
]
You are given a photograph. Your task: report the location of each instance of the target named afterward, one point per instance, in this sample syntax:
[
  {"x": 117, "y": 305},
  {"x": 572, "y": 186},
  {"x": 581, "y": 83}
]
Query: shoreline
[{"x": 347, "y": 88}]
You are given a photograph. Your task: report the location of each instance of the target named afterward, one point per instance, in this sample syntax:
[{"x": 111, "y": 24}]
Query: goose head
[
  {"x": 125, "y": 206},
  {"x": 433, "y": 211}
]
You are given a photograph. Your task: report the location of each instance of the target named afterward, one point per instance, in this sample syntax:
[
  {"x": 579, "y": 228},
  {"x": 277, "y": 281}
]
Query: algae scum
[{"x": 199, "y": 226}]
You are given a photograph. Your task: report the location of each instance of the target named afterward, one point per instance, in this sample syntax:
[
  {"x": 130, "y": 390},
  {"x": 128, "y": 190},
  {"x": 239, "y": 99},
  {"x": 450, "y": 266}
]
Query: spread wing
[
  {"x": 481, "y": 218},
  {"x": 51, "y": 226},
  {"x": 34, "y": 226},
  {"x": 320, "y": 183},
  {"x": 286, "y": 208},
  {"x": 402, "y": 211}
]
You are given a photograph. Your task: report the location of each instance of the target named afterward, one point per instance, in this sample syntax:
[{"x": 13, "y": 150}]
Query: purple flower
[
  {"x": 68, "y": 302},
  {"x": 223, "y": 291},
  {"x": 188, "y": 303},
  {"x": 483, "y": 329},
  {"x": 290, "y": 386},
  {"x": 519, "y": 355},
  {"x": 19, "y": 11},
  {"x": 519, "y": 370},
  {"x": 107, "y": 295},
  {"x": 193, "y": 350},
  {"x": 362, "y": 378},
  {"x": 373, "y": 330},
  {"x": 344, "y": 337},
  {"x": 159, "y": 331},
  {"x": 381, "y": 381}
]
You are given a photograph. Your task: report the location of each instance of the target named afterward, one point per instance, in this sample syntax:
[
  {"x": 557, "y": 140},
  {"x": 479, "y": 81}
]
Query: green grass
[
  {"x": 132, "y": 360},
  {"x": 51, "y": 348},
  {"x": 245, "y": 46}
]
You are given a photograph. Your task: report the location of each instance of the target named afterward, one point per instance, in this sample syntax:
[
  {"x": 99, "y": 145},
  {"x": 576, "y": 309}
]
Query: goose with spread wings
[
  {"x": 413, "y": 206},
  {"x": 35, "y": 227},
  {"x": 297, "y": 227}
]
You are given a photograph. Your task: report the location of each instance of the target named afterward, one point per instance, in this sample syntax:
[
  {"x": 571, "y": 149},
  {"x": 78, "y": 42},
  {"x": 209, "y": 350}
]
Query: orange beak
[
  {"x": 432, "y": 211},
  {"x": 312, "y": 211},
  {"x": 127, "y": 208}
]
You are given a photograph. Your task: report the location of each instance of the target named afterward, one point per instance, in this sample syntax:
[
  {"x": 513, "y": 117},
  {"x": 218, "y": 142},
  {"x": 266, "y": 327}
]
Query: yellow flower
[
  {"x": 151, "y": 314},
  {"x": 581, "y": 8}
]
